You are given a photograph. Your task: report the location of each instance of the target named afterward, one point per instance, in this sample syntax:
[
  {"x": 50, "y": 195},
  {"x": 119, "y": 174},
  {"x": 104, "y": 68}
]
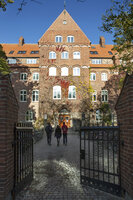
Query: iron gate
[
  {"x": 23, "y": 156},
  {"x": 100, "y": 158}
]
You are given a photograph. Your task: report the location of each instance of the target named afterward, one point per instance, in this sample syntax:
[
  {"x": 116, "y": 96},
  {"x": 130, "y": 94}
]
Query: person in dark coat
[
  {"x": 64, "y": 129},
  {"x": 48, "y": 130},
  {"x": 58, "y": 134}
]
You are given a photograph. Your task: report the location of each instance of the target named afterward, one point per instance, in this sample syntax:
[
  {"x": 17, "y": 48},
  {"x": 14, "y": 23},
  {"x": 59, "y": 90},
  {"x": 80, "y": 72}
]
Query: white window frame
[
  {"x": 104, "y": 95},
  {"x": 64, "y": 55},
  {"x": 12, "y": 61},
  {"x": 57, "y": 92},
  {"x": 23, "y": 76},
  {"x": 92, "y": 76},
  {"x": 64, "y": 71},
  {"x": 70, "y": 39},
  {"x": 98, "y": 115},
  {"x": 52, "y": 55},
  {"x": 104, "y": 76},
  {"x": 23, "y": 96},
  {"x": 30, "y": 115},
  {"x": 35, "y": 95},
  {"x": 72, "y": 92},
  {"x": 96, "y": 61},
  {"x": 35, "y": 76},
  {"x": 76, "y": 71},
  {"x": 76, "y": 55},
  {"x": 31, "y": 61},
  {"x": 58, "y": 39},
  {"x": 94, "y": 96},
  {"x": 52, "y": 71}
]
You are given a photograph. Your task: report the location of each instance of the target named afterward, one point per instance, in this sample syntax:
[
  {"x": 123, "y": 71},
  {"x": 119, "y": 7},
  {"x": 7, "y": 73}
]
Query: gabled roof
[
  {"x": 16, "y": 47},
  {"x": 64, "y": 25}
]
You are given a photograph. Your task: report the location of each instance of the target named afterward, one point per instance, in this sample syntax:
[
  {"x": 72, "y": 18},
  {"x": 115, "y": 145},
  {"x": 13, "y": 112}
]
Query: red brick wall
[
  {"x": 124, "y": 109},
  {"x": 8, "y": 116}
]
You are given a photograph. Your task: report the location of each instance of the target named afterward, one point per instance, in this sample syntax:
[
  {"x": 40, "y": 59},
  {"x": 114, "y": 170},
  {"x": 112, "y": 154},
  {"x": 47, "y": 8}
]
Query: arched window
[
  {"x": 52, "y": 71},
  {"x": 104, "y": 76},
  {"x": 23, "y": 95},
  {"x": 57, "y": 92},
  {"x": 29, "y": 116},
  {"x": 92, "y": 76},
  {"x": 76, "y": 55},
  {"x": 64, "y": 55},
  {"x": 58, "y": 38},
  {"x": 52, "y": 55},
  {"x": 64, "y": 71},
  {"x": 72, "y": 92},
  {"x": 76, "y": 71},
  {"x": 70, "y": 39}
]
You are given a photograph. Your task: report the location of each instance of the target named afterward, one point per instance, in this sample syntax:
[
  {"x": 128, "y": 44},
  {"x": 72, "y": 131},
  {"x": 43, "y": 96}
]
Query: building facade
[{"x": 63, "y": 76}]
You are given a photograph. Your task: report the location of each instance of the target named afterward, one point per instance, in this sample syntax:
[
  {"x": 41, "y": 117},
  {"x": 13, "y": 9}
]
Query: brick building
[{"x": 63, "y": 75}]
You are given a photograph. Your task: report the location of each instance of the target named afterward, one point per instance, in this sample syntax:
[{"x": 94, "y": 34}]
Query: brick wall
[
  {"x": 124, "y": 108},
  {"x": 8, "y": 116}
]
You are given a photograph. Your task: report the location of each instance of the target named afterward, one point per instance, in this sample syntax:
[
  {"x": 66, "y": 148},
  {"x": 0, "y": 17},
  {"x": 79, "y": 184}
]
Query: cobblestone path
[{"x": 57, "y": 175}]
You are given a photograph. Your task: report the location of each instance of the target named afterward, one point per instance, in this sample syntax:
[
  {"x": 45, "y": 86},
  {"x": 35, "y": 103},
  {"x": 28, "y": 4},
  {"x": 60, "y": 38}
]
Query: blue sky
[{"x": 35, "y": 19}]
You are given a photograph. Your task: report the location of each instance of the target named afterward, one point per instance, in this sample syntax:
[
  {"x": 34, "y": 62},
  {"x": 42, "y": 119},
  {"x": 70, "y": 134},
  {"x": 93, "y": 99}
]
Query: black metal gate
[
  {"x": 100, "y": 158},
  {"x": 23, "y": 156}
]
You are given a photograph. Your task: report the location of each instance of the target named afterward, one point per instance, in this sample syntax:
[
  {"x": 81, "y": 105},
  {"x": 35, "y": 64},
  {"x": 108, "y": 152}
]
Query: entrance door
[
  {"x": 64, "y": 118},
  {"x": 100, "y": 158}
]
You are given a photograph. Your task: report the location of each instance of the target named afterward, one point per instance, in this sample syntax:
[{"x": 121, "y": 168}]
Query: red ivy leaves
[{"x": 60, "y": 48}]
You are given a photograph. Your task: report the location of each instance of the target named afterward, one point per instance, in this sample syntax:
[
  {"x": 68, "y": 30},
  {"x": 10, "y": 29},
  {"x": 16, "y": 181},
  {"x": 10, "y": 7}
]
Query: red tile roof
[{"x": 102, "y": 51}]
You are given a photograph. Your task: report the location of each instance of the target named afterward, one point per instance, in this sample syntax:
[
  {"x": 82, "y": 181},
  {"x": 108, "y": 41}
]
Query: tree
[
  {"x": 4, "y": 67},
  {"x": 3, "y": 4},
  {"x": 118, "y": 20}
]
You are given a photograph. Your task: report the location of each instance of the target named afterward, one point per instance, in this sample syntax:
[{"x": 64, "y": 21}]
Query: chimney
[
  {"x": 102, "y": 41},
  {"x": 21, "y": 41}
]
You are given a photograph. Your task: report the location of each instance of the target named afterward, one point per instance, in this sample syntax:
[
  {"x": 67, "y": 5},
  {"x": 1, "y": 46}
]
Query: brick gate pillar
[{"x": 8, "y": 117}]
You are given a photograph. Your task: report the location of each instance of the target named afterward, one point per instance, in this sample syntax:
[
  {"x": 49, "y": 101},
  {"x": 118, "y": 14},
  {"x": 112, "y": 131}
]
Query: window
[
  {"x": 92, "y": 76},
  {"x": 31, "y": 61},
  {"x": 76, "y": 71},
  {"x": 94, "y": 96},
  {"x": 34, "y": 52},
  {"x": 104, "y": 95},
  {"x": 11, "y": 52},
  {"x": 64, "y": 71},
  {"x": 93, "y": 52},
  {"x": 72, "y": 92},
  {"x": 35, "y": 95},
  {"x": 64, "y": 22},
  {"x": 104, "y": 76},
  {"x": 35, "y": 76},
  {"x": 64, "y": 55},
  {"x": 76, "y": 55},
  {"x": 56, "y": 92},
  {"x": 23, "y": 95},
  {"x": 110, "y": 52},
  {"x": 98, "y": 115},
  {"x": 52, "y": 55},
  {"x": 70, "y": 39},
  {"x": 23, "y": 76},
  {"x": 12, "y": 60},
  {"x": 21, "y": 52},
  {"x": 29, "y": 116},
  {"x": 58, "y": 38},
  {"x": 52, "y": 71},
  {"x": 96, "y": 61}
]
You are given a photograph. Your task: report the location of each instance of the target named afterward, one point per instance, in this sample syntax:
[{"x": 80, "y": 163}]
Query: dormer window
[
  {"x": 58, "y": 39},
  {"x": 93, "y": 52},
  {"x": 70, "y": 39},
  {"x": 110, "y": 52},
  {"x": 21, "y": 52},
  {"x": 34, "y": 52},
  {"x": 11, "y": 52}
]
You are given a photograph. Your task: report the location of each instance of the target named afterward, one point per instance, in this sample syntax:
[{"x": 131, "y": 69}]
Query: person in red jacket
[{"x": 64, "y": 129}]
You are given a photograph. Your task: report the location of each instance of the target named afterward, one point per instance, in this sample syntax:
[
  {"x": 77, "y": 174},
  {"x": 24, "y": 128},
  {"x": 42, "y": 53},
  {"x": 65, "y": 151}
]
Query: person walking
[
  {"x": 48, "y": 130},
  {"x": 64, "y": 129},
  {"x": 58, "y": 134}
]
